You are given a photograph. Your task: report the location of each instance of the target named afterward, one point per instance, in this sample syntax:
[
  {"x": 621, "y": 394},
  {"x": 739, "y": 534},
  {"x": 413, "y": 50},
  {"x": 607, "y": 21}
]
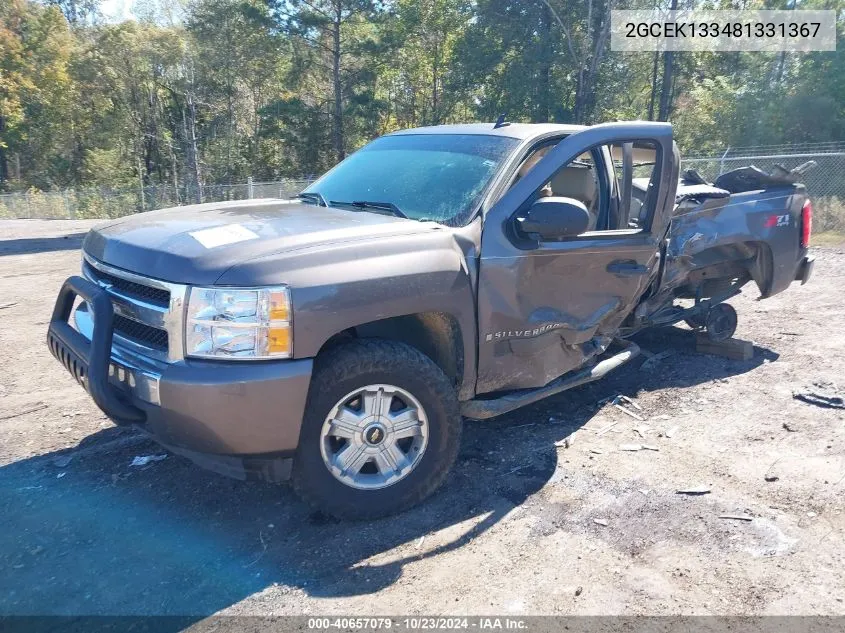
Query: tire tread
[{"x": 363, "y": 356}]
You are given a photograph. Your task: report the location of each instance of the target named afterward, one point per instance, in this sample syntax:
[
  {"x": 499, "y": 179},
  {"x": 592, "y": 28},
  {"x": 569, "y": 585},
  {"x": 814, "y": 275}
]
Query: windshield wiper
[
  {"x": 370, "y": 204},
  {"x": 313, "y": 196}
]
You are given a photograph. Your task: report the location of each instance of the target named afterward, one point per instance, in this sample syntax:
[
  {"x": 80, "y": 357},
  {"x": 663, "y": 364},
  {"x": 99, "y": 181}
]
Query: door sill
[{"x": 483, "y": 409}]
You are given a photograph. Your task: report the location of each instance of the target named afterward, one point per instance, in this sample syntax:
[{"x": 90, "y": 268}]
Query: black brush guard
[{"x": 88, "y": 361}]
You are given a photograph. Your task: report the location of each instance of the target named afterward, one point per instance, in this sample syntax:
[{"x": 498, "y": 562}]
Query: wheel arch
[
  {"x": 436, "y": 334},
  {"x": 761, "y": 267},
  {"x": 750, "y": 258}
]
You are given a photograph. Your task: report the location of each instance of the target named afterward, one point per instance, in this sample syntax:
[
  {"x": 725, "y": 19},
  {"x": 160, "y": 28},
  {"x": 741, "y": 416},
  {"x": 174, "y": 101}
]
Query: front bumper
[
  {"x": 228, "y": 412},
  {"x": 805, "y": 269}
]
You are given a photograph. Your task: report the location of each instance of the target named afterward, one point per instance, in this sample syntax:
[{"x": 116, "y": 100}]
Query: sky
[{"x": 117, "y": 10}]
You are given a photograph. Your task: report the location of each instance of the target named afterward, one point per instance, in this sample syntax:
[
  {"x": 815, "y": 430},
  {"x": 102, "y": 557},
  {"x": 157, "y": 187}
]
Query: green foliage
[
  {"x": 704, "y": 114},
  {"x": 202, "y": 92}
]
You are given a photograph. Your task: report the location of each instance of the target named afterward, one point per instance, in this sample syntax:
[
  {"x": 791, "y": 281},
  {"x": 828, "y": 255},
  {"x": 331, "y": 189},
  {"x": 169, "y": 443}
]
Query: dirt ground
[{"x": 513, "y": 531}]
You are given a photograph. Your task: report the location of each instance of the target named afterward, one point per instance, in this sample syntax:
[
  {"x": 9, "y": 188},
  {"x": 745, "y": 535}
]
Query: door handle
[{"x": 624, "y": 268}]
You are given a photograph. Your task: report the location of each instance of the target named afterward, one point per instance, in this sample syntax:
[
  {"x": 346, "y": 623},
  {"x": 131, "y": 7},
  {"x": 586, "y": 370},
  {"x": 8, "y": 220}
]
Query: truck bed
[
  {"x": 718, "y": 241},
  {"x": 714, "y": 240}
]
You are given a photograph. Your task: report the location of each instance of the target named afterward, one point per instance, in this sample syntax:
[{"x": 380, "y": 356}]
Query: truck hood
[{"x": 196, "y": 244}]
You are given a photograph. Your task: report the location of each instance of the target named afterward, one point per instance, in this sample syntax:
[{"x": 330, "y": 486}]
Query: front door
[{"x": 546, "y": 306}]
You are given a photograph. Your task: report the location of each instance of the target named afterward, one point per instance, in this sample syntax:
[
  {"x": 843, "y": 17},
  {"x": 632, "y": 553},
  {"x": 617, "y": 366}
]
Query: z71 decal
[{"x": 777, "y": 221}]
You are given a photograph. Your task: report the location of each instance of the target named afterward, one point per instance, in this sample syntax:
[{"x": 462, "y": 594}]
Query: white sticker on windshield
[{"x": 223, "y": 235}]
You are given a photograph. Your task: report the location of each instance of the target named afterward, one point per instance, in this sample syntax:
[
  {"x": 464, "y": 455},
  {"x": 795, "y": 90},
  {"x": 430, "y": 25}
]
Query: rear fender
[{"x": 760, "y": 228}]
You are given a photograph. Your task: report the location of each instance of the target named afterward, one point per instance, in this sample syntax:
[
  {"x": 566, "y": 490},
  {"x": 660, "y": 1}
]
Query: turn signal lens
[
  {"x": 278, "y": 340},
  {"x": 279, "y": 306}
]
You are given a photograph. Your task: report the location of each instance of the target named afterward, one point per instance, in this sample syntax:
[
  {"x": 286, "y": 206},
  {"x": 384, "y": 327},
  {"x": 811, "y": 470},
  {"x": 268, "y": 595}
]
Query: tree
[
  {"x": 205, "y": 92},
  {"x": 237, "y": 67},
  {"x": 77, "y": 11},
  {"x": 37, "y": 95},
  {"x": 418, "y": 79},
  {"x": 341, "y": 42},
  {"x": 587, "y": 37}
]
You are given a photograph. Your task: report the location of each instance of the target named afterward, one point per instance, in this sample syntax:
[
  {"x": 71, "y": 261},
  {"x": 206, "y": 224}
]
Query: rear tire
[
  {"x": 721, "y": 322},
  {"x": 381, "y": 430}
]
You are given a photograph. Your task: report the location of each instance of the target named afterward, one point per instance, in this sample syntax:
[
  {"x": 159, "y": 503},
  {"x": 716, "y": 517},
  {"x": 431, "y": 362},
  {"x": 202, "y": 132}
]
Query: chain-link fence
[
  {"x": 825, "y": 183},
  {"x": 106, "y": 202}
]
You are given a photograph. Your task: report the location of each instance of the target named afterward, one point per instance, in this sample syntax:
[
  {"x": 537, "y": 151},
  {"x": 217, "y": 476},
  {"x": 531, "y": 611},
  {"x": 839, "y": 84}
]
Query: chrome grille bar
[{"x": 132, "y": 305}]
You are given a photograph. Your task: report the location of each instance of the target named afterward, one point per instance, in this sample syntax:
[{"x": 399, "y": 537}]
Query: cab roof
[{"x": 513, "y": 130}]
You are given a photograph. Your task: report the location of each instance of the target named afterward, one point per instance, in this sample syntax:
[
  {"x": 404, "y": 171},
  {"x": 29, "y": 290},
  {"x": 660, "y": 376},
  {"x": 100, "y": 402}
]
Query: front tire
[{"x": 381, "y": 430}]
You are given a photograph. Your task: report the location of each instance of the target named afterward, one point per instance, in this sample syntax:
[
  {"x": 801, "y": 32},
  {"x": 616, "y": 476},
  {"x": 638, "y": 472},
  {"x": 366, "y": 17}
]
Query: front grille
[
  {"x": 140, "y": 333},
  {"x": 147, "y": 312},
  {"x": 149, "y": 294}
]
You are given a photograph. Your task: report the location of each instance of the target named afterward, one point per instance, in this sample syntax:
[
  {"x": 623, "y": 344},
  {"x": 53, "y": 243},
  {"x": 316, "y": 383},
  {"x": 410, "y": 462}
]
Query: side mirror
[{"x": 554, "y": 218}]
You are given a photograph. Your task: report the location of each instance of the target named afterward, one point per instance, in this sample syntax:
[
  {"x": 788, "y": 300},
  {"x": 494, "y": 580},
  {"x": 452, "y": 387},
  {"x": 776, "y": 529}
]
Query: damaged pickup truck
[{"x": 337, "y": 339}]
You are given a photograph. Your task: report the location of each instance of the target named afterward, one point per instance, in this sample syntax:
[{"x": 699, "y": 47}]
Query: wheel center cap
[{"x": 375, "y": 434}]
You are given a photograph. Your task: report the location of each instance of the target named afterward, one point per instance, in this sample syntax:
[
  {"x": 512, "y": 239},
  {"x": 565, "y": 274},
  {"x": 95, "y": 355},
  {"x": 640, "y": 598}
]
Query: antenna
[{"x": 500, "y": 122}]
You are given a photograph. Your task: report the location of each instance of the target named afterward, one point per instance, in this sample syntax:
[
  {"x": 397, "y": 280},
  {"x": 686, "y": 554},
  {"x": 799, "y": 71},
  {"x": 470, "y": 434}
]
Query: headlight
[{"x": 239, "y": 323}]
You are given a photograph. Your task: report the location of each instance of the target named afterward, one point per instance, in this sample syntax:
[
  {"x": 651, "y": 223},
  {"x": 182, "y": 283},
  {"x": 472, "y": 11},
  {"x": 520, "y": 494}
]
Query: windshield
[{"x": 438, "y": 177}]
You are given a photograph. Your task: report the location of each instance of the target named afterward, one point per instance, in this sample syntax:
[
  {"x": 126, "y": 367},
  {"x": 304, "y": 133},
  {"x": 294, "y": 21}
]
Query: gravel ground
[{"x": 521, "y": 527}]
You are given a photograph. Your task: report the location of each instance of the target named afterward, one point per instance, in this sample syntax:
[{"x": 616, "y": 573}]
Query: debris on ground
[
  {"x": 522, "y": 426},
  {"x": 650, "y": 447},
  {"x": 32, "y": 409},
  {"x": 629, "y": 401},
  {"x": 565, "y": 442},
  {"x": 628, "y": 412},
  {"x": 643, "y": 492},
  {"x": 8, "y": 305},
  {"x": 596, "y": 451},
  {"x": 736, "y": 517},
  {"x": 630, "y": 447},
  {"x": 695, "y": 490},
  {"x": 822, "y": 394},
  {"x": 421, "y": 541},
  {"x": 671, "y": 432},
  {"x": 60, "y": 475},
  {"x": 619, "y": 402},
  {"x": 579, "y": 590},
  {"x": 62, "y": 461},
  {"x": 600, "y": 522},
  {"x": 601, "y": 432},
  {"x": 263, "y": 549},
  {"x": 769, "y": 475},
  {"x": 651, "y": 363},
  {"x": 143, "y": 460}
]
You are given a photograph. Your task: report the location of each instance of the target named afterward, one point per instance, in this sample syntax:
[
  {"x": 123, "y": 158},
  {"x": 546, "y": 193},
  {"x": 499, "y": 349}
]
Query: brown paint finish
[
  {"x": 573, "y": 293},
  {"x": 517, "y": 312}
]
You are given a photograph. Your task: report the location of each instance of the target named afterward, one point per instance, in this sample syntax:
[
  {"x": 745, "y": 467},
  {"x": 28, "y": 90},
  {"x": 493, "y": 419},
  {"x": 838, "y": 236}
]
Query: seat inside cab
[
  {"x": 580, "y": 183},
  {"x": 578, "y": 180}
]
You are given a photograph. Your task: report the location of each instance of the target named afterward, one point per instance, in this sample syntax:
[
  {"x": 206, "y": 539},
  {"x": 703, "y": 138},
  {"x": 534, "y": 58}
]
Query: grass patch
[{"x": 828, "y": 238}]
